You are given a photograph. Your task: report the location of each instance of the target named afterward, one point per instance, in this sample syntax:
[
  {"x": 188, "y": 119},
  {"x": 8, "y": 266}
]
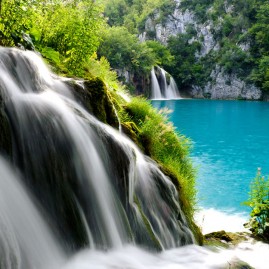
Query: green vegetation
[
  {"x": 124, "y": 51},
  {"x": 199, "y": 7},
  {"x": 259, "y": 203},
  {"x": 162, "y": 142},
  {"x": 185, "y": 67},
  {"x": 132, "y": 14},
  {"x": 239, "y": 29},
  {"x": 66, "y": 32}
]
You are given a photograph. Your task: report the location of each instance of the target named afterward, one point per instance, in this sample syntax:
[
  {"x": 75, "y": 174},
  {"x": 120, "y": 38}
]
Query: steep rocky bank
[{"x": 226, "y": 86}]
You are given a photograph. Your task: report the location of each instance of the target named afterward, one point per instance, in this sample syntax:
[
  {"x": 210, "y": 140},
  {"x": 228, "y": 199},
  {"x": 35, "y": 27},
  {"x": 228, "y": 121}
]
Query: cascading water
[
  {"x": 90, "y": 196},
  {"x": 69, "y": 161},
  {"x": 25, "y": 239},
  {"x": 161, "y": 88},
  {"x": 155, "y": 88}
]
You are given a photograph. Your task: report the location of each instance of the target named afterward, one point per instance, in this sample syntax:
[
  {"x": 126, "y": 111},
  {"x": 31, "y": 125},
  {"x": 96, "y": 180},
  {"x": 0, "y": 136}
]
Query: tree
[
  {"x": 260, "y": 47},
  {"x": 186, "y": 69},
  {"x": 71, "y": 28},
  {"x": 162, "y": 53},
  {"x": 115, "y": 10},
  {"x": 124, "y": 51},
  {"x": 15, "y": 18}
]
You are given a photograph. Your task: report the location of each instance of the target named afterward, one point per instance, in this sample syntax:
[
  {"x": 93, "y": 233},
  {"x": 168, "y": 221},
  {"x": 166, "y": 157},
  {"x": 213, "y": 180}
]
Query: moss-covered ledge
[
  {"x": 157, "y": 138},
  {"x": 94, "y": 96}
]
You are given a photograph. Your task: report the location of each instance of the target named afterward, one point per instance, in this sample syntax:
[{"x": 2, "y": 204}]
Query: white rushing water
[
  {"x": 161, "y": 89},
  {"x": 155, "y": 88},
  {"x": 172, "y": 91},
  {"x": 24, "y": 236},
  {"x": 42, "y": 109},
  {"x": 87, "y": 162},
  {"x": 188, "y": 257},
  {"x": 211, "y": 220}
]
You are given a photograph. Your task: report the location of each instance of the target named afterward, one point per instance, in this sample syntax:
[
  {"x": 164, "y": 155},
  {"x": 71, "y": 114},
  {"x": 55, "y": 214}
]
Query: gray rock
[{"x": 224, "y": 86}]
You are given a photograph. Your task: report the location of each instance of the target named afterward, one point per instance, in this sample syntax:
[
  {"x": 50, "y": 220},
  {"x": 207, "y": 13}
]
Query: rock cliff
[{"x": 220, "y": 85}]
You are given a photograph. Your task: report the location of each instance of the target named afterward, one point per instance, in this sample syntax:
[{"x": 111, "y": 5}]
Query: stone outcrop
[
  {"x": 225, "y": 86},
  {"x": 177, "y": 23}
]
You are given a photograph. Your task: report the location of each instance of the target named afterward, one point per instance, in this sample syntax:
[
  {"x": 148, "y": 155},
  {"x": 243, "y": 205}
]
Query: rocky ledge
[{"x": 226, "y": 86}]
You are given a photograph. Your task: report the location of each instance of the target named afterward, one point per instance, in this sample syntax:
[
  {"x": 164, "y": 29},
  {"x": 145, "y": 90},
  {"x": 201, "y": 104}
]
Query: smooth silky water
[{"x": 65, "y": 203}]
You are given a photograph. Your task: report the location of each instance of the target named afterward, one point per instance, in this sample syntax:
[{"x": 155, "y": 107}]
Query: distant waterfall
[
  {"x": 163, "y": 85},
  {"x": 155, "y": 87}
]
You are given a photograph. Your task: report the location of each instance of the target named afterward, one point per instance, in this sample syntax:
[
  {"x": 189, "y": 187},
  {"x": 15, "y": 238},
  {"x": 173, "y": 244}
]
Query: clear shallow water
[{"x": 230, "y": 141}]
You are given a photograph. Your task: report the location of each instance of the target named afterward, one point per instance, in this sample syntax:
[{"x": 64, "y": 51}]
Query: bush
[
  {"x": 124, "y": 51},
  {"x": 164, "y": 144},
  {"x": 259, "y": 203}
]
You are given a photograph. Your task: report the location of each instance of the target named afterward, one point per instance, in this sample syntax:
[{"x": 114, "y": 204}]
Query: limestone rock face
[
  {"x": 224, "y": 86},
  {"x": 177, "y": 23}
]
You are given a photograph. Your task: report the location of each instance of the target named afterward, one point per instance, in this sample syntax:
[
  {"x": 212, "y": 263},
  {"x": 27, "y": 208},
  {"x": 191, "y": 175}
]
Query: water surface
[{"x": 230, "y": 141}]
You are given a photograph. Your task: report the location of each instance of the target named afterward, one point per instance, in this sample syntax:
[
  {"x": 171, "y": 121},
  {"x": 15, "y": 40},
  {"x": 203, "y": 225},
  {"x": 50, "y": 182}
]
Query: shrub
[
  {"x": 124, "y": 51},
  {"x": 259, "y": 203}
]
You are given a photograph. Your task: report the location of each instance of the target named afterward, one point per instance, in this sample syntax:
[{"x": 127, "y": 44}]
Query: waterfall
[
  {"x": 75, "y": 193},
  {"x": 161, "y": 87},
  {"x": 94, "y": 185},
  {"x": 172, "y": 90},
  {"x": 24, "y": 237},
  {"x": 155, "y": 88}
]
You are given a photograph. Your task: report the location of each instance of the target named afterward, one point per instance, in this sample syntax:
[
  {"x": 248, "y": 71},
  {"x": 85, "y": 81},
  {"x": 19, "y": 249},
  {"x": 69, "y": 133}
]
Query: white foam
[
  {"x": 188, "y": 257},
  {"x": 212, "y": 220}
]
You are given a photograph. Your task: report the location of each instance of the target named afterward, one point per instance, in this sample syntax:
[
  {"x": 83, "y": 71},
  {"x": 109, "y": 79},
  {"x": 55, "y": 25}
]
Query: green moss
[
  {"x": 130, "y": 129},
  {"x": 224, "y": 239},
  {"x": 220, "y": 235},
  {"x": 95, "y": 97}
]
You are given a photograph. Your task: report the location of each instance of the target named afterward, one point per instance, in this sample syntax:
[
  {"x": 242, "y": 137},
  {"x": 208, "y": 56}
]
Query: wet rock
[
  {"x": 220, "y": 235},
  {"x": 226, "y": 86},
  {"x": 94, "y": 96},
  {"x": 238, "y": 264}
]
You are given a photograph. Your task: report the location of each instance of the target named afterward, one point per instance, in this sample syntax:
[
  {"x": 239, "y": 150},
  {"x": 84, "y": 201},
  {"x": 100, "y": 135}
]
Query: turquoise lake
[{"x": 230, "y": 141}]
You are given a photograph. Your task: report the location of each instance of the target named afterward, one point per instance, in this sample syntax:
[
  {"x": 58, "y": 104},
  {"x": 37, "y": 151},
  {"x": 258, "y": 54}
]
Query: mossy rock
[
  {"x": 146, "y": 143},
  {"x": 143, "y": 232},
  {"x": 184, "y": 204},
  {"x": 225, "y": 239},
  {"x": 130, "y": 129},
  {"x": 220, "y": 235},
  {"x": 94, "y": 97},
  {"x": 238, "y": 264},
  {"x": 171, "y": 175}
]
